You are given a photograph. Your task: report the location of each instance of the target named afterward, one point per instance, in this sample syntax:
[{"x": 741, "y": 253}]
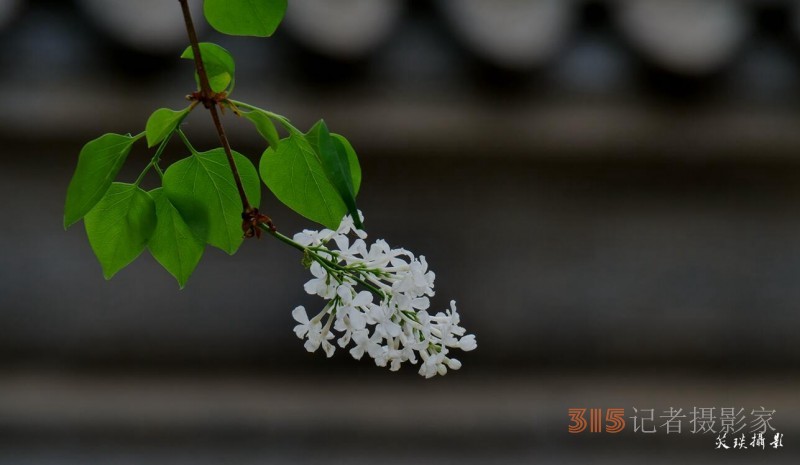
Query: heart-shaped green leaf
[
  {"x": 120, "y": 225},
  {"x": 245, "y": 17},
  {"x": 161, "y": 123},
  {"x": 98, "y": 164},
  {"x": 173, "y": 244},
  {"x": 334, "y": 160},
  {"x": 219, "y": 66},
  {"x": 202, "y": 188},
  {"x": 294, "y": 173}
]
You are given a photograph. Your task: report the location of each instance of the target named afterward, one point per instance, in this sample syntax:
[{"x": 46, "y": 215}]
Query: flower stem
[
  {"x": 282, "y": 238},
  {"x": 332, "y": 266}
]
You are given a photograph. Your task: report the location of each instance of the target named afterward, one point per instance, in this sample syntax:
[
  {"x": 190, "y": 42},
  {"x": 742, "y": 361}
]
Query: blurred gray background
[{"x": 609, "y": 189}]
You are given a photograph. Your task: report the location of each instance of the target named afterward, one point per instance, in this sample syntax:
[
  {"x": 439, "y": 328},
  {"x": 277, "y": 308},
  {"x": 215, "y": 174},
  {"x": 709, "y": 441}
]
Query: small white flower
[
  {"x": 314, "y": 338},
  {"x": 432, "y": 365},
  {"x": 299, "y": 315},
  {"x": 381, "y": 316},
  {"x": 361, "y": 340},
  {"x": 407, "y": 302},
  {"x": 320, "y": 336},
  {"x": 348, "y": 225},
  {"x": 313, "y": 238},
  {"x": 365, "y": 344},
  {"x": 350, "y": 315},
  {"x": 321, "y": 284}
]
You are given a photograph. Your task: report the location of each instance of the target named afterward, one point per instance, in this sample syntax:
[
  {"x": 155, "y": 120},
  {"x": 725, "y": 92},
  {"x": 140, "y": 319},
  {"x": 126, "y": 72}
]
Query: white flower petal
[
  {"x": 328, "y": 348},
  {"x": 362, "y": 299},
  {"x": 357, "y": 320},
  {"x": 299, "y": 314},
  {"x": 467, "y": 343}
]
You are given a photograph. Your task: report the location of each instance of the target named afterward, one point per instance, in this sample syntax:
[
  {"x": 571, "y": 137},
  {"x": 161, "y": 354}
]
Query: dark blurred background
[{"x": 609, "y": 189}]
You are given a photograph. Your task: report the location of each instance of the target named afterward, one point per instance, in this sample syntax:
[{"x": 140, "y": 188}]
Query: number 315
[{"x": 615, "y": 421}]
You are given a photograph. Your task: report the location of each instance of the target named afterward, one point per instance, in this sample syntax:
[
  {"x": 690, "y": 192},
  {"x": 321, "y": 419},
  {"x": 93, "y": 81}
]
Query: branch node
[{"x": 252, "y": 221}]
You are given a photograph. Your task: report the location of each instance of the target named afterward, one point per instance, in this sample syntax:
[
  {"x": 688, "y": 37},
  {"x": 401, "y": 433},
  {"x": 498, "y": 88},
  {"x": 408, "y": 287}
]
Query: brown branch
[{"x": 209, "y": 99}]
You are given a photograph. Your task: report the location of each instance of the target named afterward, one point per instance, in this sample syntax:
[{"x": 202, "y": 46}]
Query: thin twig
[{"x": 208, "y": 99}]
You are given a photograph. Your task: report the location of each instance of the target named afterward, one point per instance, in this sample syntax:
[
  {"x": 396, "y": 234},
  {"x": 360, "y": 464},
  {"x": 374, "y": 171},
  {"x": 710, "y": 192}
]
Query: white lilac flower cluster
[{"x": 378, "y": 300}]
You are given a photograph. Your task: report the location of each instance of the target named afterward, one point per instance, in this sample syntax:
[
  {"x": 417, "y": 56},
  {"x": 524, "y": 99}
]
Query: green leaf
[
  {"x": 245, "y": 17},
  {"x": 264, "y": 126},
  {"x": 294, "y": 173},
  {"x": 202, "y": 188},
  {"x": 343, "y": 144},
  {"x": 336, "y": 165},
  {"x": 120, "y": 225},
  {"x": 161, "y": 123},
  {"x": 98, "y": 164},
  {"x": 173, "y": 244},
  {"x": 218, "y": 63}
]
